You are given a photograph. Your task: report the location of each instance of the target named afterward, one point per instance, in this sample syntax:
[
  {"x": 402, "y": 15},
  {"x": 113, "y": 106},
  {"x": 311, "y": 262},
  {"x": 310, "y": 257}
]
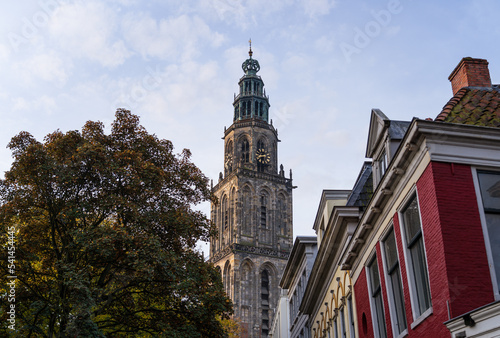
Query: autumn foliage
[{"x": 105, "y": 237}]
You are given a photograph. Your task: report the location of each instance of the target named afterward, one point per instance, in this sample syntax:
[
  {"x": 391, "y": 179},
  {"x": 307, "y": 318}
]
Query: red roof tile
[{"x": 473, "y": 105}]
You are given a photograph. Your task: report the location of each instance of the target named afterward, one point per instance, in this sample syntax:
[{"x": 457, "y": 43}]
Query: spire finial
[{"x": 250, "y": 51}]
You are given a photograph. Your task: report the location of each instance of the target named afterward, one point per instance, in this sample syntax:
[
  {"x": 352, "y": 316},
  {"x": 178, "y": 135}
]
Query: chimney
[{"x": 470, "y": 72}]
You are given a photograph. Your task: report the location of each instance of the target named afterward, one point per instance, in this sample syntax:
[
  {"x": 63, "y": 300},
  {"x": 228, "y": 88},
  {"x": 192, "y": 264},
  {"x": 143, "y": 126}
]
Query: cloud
[
  {"x": 324, "y": 44},
  {"x": 87, "y": 30},
  {"x": 243, "y": 14},
  {"x": 4, "y": 53},
  {"x": 315, "y": 8},
  {"x": 43, "y": 105},
  {"x": 47, "y": 67},
  {"x": 182, "y": 36}
]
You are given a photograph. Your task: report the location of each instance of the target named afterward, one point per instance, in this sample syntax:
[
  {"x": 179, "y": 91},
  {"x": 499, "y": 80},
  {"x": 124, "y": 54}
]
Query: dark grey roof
[
  {"x": 397, "y": 129},
  {"x": 363, "y": 188}
]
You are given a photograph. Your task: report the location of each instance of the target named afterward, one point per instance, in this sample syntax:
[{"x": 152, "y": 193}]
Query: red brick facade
[
  {"x": 365, "y": 327},
  {"x": 454, "y": 237},
  {"x": 459, "y": 276}
]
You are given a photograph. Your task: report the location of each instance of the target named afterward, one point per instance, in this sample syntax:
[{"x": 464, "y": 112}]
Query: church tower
[{"x": 253, "y": 214}]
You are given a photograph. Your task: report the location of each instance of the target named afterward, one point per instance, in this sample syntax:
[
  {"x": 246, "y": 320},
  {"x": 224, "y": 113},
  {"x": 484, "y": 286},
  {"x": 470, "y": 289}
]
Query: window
[
  {"x": 243, "y": 108},
  {"x": 225, "y": 212},
  {"x": 265, "y": 302},
  {"x": 489, "y": 185},
  {"x": 246, "y": 207},
  {"x": 245, "y": 151},
  {"x": 342, "y": 323},
  {"x": 417, "y": 266},
  {"x": 335, "y": 328},
  {"x": 281, "y": 214},
  {"x": 229, "y": 157},
  {"x": 263, "y": 211},
  {"x": 376, "y": 300},
  {"x": 351, "y": 316},
  {"x": 394, "y": 284},
  {"x": 227, "y": 279},
  {"x": 382, "y": 165}
]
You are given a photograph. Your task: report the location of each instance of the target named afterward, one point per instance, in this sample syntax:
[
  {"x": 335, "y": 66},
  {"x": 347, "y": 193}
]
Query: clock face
[{"x": 263, "y": 156}]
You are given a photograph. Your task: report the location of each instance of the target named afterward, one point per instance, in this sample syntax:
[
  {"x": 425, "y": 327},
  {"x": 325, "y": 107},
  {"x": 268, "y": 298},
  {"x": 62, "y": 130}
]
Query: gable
[{"x": 378, "y": 124}]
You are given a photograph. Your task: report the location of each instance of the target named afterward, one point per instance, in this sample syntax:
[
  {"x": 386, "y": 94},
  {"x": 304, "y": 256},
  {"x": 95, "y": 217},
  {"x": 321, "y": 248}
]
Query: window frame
[
  {"x": 389, "y": 285},
  {"x": 350, "y": 316},
  {"x": 335, "y": 327},
  {"x": 376, "y": 320},
  {"x": 343, "y": 327},
  {"x": 495, "y": 279},
  {"x": 382, "y": 163},
  {"x": 417, "y": 316}
]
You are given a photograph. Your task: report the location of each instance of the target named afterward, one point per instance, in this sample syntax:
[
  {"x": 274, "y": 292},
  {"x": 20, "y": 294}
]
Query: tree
[{"x": 105, "y": 237}]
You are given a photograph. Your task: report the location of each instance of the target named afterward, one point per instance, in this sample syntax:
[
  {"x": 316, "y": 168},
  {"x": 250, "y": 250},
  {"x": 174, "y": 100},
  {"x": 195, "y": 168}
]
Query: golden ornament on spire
[{"x": 250, "y": 51}]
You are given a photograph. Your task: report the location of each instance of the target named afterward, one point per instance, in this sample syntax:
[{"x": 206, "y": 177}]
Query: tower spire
[{"x": 252, "y": 101}]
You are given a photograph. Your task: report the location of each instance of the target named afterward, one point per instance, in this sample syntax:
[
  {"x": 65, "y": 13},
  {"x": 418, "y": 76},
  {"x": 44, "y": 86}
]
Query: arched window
[
  {"x": 231, "y": 207},
  {"x": 245, "y": 151},
  {"x": 264, "y": 296},
  {"x": 227, "y": 279},
  {"x": 281, "y": 214},
  {"x": 225, "y": 212},
  {"x": 261, "y": 145},
  {"x": 229, "y": 157},
  {"x": 246, "y": 284},
  {"x": 263, "y": 210},
  {"x": 243, "y": 108},
  {"x": 246, "y": 211}
]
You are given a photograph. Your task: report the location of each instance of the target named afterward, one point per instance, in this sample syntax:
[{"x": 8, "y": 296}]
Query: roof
[
  {"x": 397, "y": 129},
  {"x": 295, "y": 259},
  {"x": 363, "y": 188},
  {"x": 473, "y": 105},
  {"x": 381, "y": 127}
]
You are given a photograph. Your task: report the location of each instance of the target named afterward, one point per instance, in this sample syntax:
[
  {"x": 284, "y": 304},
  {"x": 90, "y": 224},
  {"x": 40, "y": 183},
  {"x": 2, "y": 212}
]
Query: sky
[{"x": 176, "y": 63}]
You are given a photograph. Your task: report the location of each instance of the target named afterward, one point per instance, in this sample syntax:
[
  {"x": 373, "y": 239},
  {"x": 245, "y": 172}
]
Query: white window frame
[
  {"x": 417, "y": 319},
  {"x": 350, "y": 316},
  {"x": 373, "y": 311},
  {"x": 482, "y": 216},
  {"x": 335, "y": 327},
  {"x": 388, "y": 283},
  {"x": 343, "y": 327}
]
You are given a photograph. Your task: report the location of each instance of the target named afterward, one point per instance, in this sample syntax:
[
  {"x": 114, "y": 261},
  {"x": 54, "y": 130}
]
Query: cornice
[
  {"x": 336, "y": 236},
  {"x": 248, "y": 173},
  {"x": 297, "y": 254},
  {"x": 238, "y": 248},
  {"x": 250, "y": 123},
  {"x": 445, "y": 142}
]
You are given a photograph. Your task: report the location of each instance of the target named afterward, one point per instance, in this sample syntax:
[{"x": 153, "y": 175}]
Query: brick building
[
  {"x": 423, "y": 258},
  {"x": 425, "y": 255}
]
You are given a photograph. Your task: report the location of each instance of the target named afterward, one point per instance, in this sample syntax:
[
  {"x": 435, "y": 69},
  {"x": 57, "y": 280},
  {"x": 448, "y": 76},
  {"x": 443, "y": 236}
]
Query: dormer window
[{"x": 382, "y": 165}]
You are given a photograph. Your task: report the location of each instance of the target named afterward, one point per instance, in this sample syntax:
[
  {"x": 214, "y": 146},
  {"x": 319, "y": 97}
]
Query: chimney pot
[{"x": 470, "y": 72}]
